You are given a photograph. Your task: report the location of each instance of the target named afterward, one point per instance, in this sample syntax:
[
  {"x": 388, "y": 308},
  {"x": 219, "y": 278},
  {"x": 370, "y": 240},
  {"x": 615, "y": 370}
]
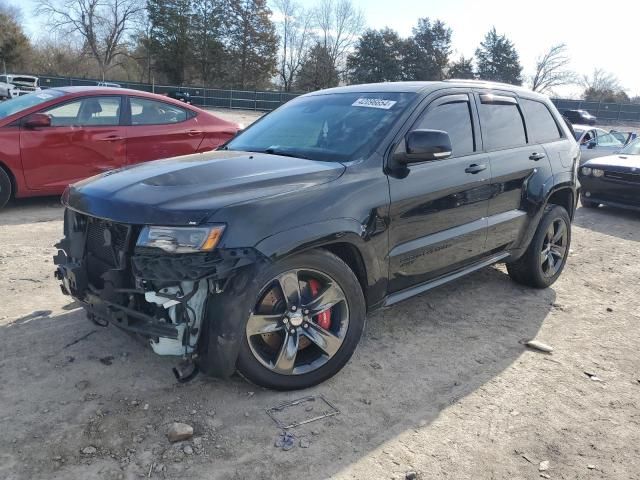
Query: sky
[{"x": 597, "y": 34}]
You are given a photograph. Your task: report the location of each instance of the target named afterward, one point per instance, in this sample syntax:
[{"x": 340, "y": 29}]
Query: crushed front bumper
[{"x": 158, "y": 295}]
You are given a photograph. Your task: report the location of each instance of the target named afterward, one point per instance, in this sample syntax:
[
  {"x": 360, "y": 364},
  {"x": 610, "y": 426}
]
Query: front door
[
  {"x": 85, "y": 138},
  {"x": 439, "y": 210}
]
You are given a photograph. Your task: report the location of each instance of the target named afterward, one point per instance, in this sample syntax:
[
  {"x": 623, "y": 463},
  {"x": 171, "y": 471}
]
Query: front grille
[
  {"x": 626, "y": 177},
  {"x": 106, "y": 241}
]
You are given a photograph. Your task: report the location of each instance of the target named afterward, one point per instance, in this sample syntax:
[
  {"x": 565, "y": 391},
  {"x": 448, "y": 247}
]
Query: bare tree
[
  {"x": 102, "y": 24},
  {"x": 339, "y": 23},
  {"x": 295, "y": 29},
  {"x": 601, "y": 80},
  {"x": 552, "y": 70}
]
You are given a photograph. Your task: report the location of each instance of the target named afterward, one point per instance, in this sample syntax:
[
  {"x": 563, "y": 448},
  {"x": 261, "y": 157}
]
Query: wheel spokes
[
  {"x": 325, "y": 340},
  {"x": 559, "y": 233},
  {"x": 329, "y": 297},
  {"x": 286, "y": 359},
  {"x": 290, "y": 286},
  {"x": 261, "y": 324}
]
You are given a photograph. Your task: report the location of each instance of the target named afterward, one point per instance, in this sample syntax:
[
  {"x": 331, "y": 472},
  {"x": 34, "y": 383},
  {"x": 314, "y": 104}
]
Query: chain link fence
[{"x": 263, "y": 101}]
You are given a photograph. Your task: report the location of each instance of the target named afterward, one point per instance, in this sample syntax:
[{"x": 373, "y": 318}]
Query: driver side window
[
  {"x": 152, "y": 112},
  {"x": 454, "y": 118},
  {"x": 87, "y": 112}
]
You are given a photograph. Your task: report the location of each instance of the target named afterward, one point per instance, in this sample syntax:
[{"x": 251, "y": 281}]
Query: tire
[
  {"x": 535, "y": 268},
  {"x": 263, "y": 358},
  {"x": 5, "y": 188},
  {"x": 586, "y": 203}
]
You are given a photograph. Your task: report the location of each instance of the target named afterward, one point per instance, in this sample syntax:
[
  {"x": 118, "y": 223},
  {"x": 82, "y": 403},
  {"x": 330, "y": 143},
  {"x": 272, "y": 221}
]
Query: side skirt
[{"x": 423, "y": 287}]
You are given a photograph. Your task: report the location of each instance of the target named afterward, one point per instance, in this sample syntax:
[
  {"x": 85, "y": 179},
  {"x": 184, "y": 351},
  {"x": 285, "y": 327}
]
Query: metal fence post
[
  {"x": 255, "y": 100},
  {"x": 230, "y": 98}
]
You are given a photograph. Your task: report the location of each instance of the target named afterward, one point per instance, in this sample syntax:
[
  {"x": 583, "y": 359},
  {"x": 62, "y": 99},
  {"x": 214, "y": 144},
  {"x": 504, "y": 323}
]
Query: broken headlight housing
[{"x": 181, "y": 239}]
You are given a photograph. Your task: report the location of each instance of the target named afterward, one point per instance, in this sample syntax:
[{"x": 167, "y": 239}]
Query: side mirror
[
  {"x": 424, "y": 145},
  {"x": 591, "y": 144},
  {"x": 38, "y": 120}
]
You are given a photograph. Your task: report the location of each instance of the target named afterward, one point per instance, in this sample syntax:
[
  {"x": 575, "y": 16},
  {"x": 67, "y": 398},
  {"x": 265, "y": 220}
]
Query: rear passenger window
[
  {"x": 455, "y": 119},
  {"x": 151, "y": 112},
  {"x": 540, "y": 123},
  {"x": 502, "y": 125}
]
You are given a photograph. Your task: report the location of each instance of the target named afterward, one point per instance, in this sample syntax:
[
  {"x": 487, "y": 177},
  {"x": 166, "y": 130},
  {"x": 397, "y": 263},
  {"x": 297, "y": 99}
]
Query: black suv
[{"x": 265, "y": 256}]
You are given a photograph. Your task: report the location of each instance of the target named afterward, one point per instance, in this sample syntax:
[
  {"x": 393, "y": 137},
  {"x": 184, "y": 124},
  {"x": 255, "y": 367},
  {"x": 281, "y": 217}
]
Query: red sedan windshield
[{"x": 18, "y": 104}]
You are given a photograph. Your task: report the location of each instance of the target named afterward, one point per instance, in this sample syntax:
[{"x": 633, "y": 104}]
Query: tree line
[{"x": 252, "y": 44}]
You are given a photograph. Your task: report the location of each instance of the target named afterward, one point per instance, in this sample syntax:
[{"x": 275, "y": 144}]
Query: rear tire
[
  {"x": 5, "y": 188},
  {"x": 546, "y": 256},
  {"x": 586, "y": 203},
  {"x": 266, "y": 361}
]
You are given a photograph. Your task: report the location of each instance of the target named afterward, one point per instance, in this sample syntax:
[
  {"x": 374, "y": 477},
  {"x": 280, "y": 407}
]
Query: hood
[
  {"x": 186, "y": 190},
  {"x": 618, "y": 162}
]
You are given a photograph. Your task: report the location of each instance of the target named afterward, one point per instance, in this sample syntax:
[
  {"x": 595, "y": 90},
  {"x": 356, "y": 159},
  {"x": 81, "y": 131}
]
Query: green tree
[
  {"x": 14, "y": 45},
  {"x": 252, "y": 43},
  {"x": 461, "y": 69},
  {"x": 377, "y": 57},
  {"x": 318, "y": 71},
  {"x": 427, "y": 51},
  {"x": 171, "y": 42},
  {"x": 209, "y": 51},
  {"x": 498, "y": 60}
]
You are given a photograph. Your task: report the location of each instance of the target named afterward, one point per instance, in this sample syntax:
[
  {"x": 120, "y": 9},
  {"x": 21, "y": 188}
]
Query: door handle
[
  {"x": 475, "y": 168},
  {"x": 193, "y": 133},
  {"x": 536, "y": 156},
  {"x": 111, "y": 138}
]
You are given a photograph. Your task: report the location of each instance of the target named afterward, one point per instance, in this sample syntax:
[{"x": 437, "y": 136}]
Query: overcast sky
[{"x": 598, "y": 34}]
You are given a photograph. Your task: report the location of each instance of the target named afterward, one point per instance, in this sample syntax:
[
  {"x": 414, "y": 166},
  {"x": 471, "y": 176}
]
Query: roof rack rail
[{"x": 475, "y": 81}]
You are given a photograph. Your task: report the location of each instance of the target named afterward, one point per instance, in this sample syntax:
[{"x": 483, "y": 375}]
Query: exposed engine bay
[{"x": 146, "y": 291}]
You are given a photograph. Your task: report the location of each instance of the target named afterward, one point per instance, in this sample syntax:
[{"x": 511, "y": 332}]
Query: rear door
[
  {"x": 518, "y": 163},
  {"x": 85, "y": 138},
  {"x": 160, "y": 129},
  {"x": 438, "y": 211}
]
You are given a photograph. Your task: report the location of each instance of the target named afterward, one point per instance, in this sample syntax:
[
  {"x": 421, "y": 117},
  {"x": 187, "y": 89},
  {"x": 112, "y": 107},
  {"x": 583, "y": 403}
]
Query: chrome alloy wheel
[
  {"x": 299, "y": 322},
  {"x": 554, "y": 247}
]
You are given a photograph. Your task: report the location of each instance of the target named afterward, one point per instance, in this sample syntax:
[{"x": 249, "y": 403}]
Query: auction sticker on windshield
[{"x": 374, "y": 103}]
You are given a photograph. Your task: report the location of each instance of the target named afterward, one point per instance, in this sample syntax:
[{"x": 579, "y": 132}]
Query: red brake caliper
[{"x": 323, "y": 318}]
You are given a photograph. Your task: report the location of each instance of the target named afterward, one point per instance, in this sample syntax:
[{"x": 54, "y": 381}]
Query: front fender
[{"x": 369, "y": 238}]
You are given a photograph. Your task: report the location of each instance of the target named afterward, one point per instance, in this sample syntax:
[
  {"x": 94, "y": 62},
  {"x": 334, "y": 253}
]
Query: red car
[{"x": 55, "y": 137}]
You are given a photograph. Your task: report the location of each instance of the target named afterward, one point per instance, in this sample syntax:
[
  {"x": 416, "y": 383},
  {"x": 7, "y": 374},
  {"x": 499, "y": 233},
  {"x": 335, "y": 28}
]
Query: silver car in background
[
  {"x": 595, "y": 142},
  {"x": 12, "y": 85}
]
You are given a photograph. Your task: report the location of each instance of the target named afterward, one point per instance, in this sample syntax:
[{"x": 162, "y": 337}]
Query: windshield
[
  {"x": 17, "y": 104},
  {"x": 333, "y": 127},
  {"x": 632, "y": 149}
]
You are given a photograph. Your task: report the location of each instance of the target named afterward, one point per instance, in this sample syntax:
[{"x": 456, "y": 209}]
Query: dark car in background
[
  {"x": 266, "y": 255},
  {"x": 54, "y": 137},
  {"x": 181, "y": 96},
  {"x": 612, "y": 180},
  {"x": 580, "y": 116}
]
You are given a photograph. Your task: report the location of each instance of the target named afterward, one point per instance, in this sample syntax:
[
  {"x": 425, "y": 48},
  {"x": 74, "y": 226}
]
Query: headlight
[
  {"x": 596, "y": 172},
  {"x": 181, "y": 239},
  {"x": 586, "y": 171}
]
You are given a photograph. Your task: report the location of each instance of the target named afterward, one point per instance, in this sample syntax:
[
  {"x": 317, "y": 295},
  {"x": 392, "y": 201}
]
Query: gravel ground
[{"x": 441, "y": 384}]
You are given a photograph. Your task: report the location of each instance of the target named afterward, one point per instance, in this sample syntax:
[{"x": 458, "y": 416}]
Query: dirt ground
[{"x": 440, "y": 385}]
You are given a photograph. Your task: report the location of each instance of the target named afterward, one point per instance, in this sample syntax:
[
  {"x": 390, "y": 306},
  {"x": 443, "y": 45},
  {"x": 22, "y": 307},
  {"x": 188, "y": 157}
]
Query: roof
[
  {"x": 406, "y": 87},
  {"x": 121, "y": 91}
]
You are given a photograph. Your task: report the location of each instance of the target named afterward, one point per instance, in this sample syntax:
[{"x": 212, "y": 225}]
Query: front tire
[
  {"x": 5, "y": 188},
  {"x": 307, "y": 319},
  {"x": 546, "y": 256}
]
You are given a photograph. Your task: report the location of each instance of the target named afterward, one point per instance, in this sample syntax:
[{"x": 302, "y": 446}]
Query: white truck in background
[{"x": 12, "y": 85}]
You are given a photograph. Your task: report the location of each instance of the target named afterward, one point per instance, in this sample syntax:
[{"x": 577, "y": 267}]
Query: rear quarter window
[{"x": 540, "y": 123}]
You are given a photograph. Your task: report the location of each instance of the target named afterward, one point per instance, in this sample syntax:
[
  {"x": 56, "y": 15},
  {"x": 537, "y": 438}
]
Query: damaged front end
[{"x": 145, "y": 281}]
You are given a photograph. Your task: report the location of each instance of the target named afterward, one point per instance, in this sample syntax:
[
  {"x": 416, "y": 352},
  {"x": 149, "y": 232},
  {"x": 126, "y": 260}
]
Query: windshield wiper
[{"x": 283, "y": 153}]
